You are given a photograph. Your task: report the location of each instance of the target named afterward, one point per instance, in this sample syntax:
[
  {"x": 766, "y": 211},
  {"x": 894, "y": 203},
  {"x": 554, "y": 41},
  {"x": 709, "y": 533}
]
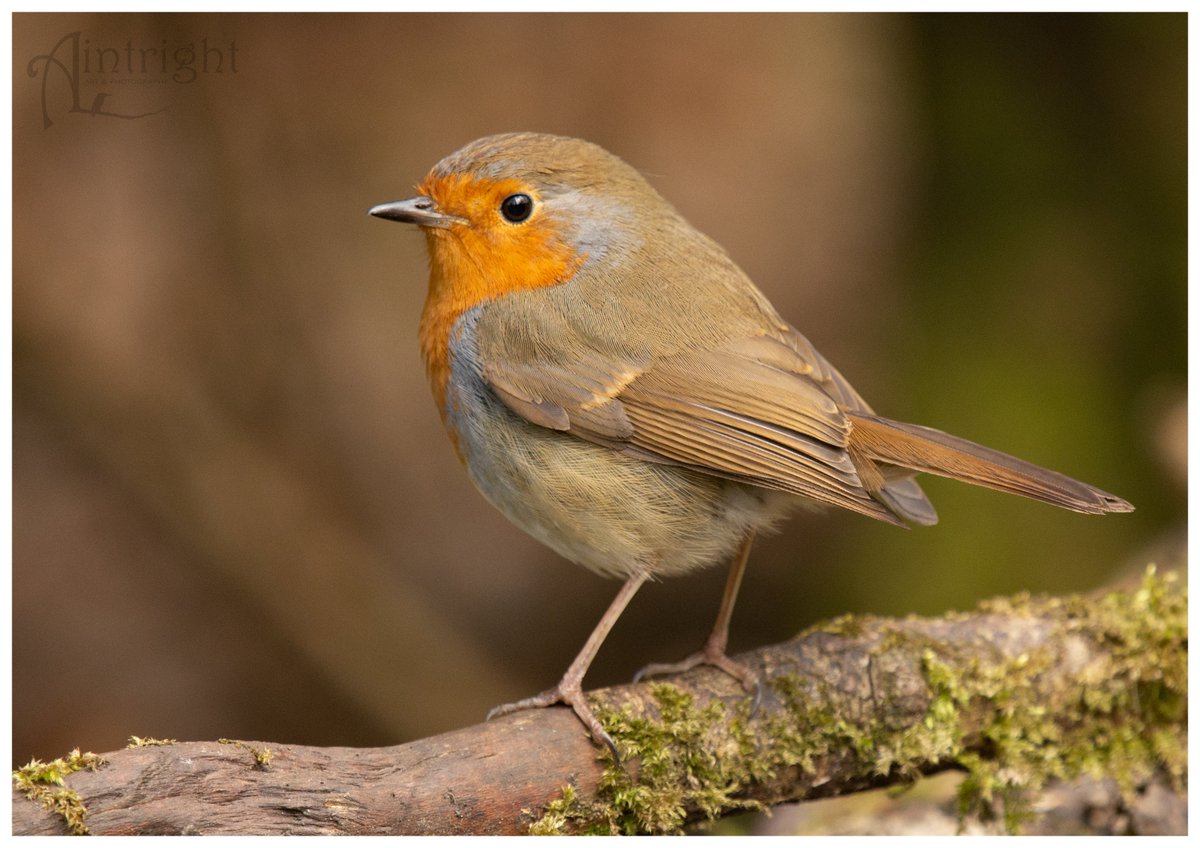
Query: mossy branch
[{"x": 1018, "y": 693}]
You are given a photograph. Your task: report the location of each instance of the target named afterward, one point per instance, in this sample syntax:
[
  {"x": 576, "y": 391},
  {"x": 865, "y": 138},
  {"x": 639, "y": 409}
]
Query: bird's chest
[
  {"x": 523, "y": 469},
  {"x": 593, "y": 505},
  {"x": 549, "y": 484}
]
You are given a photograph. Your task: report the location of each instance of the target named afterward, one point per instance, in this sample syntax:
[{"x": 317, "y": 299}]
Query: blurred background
[{"x": 235, "y": 510}]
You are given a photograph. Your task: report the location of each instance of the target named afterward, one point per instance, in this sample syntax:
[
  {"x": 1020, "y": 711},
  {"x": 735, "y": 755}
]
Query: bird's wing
[{"x": 765, "y": 411}]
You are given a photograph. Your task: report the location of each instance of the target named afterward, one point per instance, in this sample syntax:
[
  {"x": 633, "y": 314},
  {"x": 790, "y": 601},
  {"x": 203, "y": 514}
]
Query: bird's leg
[
  {"x": 713, "y": 652},
  {"x": 570, "y": 689}
]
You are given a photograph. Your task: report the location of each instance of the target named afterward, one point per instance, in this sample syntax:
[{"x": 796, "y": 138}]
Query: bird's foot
[
  {"x": 571, "y": 695},
  {"x": 715, "y": 656}
]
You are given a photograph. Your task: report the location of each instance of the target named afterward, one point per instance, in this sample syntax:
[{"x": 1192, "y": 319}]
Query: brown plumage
[{"x": 618, "y": 388}]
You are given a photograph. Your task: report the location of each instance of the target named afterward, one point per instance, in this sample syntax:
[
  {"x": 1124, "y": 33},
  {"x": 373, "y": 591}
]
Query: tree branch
[{"x": 1020, "y": 692}]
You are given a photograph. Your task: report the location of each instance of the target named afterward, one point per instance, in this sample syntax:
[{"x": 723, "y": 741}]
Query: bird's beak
[{"x": 419, "y": 210}]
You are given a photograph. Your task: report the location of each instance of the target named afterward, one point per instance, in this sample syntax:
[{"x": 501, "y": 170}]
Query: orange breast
[{"x": 482, "y": 261}]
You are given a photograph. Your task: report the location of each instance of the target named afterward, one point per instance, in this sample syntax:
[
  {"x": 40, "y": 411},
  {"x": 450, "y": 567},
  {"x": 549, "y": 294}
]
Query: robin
[{"x": 620, "y": 390}]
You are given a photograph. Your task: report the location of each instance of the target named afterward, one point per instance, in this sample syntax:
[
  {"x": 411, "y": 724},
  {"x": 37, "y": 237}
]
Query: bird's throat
[{"x": 464, "y": 273}]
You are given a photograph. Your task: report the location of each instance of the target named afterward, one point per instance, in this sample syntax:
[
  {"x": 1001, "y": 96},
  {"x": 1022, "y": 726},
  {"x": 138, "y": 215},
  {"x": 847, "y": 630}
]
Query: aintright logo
[{"x": 85, "y": 66}]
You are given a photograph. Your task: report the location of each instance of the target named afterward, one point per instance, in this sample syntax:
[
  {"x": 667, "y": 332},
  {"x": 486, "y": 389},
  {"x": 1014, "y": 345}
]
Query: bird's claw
[
  {"x": 716, "y": 658},
  {"x": 574, "y": 698}
]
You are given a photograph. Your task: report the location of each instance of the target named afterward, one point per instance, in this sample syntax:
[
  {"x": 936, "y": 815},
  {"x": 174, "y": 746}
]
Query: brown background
[{"x": 235, "y": 512}]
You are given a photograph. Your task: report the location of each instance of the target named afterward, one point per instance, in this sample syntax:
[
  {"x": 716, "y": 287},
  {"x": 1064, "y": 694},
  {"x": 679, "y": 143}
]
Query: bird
[{"x": 618, "y": 388}]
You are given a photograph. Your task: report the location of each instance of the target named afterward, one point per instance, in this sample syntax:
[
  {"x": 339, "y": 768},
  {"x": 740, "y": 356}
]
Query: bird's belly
[{"x": 606, "y": 511}]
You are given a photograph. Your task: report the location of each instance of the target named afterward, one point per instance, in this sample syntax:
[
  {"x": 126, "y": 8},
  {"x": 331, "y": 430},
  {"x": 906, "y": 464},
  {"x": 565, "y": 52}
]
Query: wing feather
[{"x": 757, "y": 411}]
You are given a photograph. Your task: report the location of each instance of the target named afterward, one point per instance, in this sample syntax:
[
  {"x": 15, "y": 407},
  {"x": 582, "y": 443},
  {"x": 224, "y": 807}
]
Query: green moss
[
  {"x": 687, "y": 757},
  {"x": 148, "y": 742},
  {"x": 558, "y": 813},
  {"x": 1124, "y": 718},
  {"x": 262, "y": 756},
  {"x": 1122, "y": 715},
  {"x": 35, "y": 780},
  {"x": 846, "y": 625}
]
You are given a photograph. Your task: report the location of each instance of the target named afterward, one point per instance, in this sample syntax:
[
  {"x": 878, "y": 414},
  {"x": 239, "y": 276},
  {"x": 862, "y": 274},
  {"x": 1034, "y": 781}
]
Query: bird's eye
[{"x": 516, "y": 208}]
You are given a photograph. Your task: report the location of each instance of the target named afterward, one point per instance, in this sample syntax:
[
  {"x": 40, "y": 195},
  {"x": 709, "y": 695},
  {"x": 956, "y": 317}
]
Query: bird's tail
[{"x": 933, "y": 452}]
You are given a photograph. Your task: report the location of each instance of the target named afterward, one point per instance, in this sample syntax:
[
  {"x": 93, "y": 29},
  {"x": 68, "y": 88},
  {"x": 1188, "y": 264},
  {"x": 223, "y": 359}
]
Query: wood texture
[{"x": 862, "y": 702}]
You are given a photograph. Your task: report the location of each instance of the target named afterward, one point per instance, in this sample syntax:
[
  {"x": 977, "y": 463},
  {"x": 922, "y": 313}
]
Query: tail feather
[{"x": 934, "y": 452}]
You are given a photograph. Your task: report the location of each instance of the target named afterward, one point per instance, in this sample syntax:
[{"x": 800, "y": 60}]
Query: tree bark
[{"x": 1018, "y": 693}]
